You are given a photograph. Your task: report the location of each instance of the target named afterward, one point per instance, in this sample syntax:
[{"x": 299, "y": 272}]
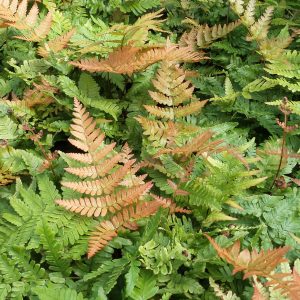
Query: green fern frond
[{"x": 58, "y": 293}]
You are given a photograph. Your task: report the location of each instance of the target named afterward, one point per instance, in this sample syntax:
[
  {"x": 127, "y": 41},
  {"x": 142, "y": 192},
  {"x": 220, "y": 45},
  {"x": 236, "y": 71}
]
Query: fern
[
  {"x": 129, "y": 59},
  {"x": 55, "y": 45},
  {"x": 57, "y": 292},
  {"x": 202, "y": 36},
  {"x": 173, "y": 93},
  {"x": 15, "y": 14},
  {"x": 109, "y": 189}
]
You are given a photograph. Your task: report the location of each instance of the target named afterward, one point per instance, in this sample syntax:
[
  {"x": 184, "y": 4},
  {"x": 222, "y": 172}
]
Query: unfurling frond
[
  {"x": 108, "y": 180},
  {"x": 56, "y": 45},
  {"x": 202, "y": 36},
  {"x": 15, "y": 14},
  {"x": 130, "y": 59}
]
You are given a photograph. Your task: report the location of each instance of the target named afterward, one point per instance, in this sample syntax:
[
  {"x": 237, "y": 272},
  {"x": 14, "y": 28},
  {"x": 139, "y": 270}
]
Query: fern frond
[
  {"x": 129, "y": 59},
  {"x": 259, "y": 30},
  {"x": 105, "y": 185},
  {"x": 55, "y": 45},
  {"x": 168, "y": 203},
  {"x": 174, "y": 98},
  {"x": 254, "y": 263},
  {"x": 202, "y": 36},
  {"x": 108, "y": 174},
  {"x": 199, "y": 145},
  {"x": 15, "y": 15},
  {"x": 100, "y": 206},
  {"x": 40, "y": 32},
  {"x": 125, "y": 219}
]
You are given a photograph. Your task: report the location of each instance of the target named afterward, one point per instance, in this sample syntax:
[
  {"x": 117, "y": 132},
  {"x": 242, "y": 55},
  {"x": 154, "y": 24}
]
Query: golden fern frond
[
  {"x": 175, "y": 101},
  {"x": 56, "y": 44},
  {"x": 199, "y": 145},
  {"x": 202, "y": 36},
  {"x": 154, "y": 128},
  {"x": 6, "y": 177},
  {"x": 129, "y": 59},
  {"x": 14, "y": 14},
  {"x": 259, "y": 29},
  {"x": 189, "y": 109},
  {"x": 125, "y": 219},
  {"x": 138, "y": 32}
]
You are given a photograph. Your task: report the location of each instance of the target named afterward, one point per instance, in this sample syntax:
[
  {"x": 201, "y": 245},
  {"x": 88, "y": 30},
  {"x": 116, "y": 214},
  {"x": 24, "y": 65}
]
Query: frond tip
[
  {"x": 15, "y": 14},
  {"x": 130, "y": 59}
]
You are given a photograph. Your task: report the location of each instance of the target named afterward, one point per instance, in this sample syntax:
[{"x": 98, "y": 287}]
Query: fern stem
[{"x": 281, "y": 152}]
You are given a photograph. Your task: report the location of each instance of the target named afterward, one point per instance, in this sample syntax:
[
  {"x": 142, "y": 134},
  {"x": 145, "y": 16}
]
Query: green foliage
[{"x": 233, "y": 162}]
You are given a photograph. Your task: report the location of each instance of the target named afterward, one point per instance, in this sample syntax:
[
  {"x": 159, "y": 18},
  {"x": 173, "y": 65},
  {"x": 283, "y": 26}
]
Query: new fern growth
[
  {"x": 108, "y": 181},
  {"x": 129, "y": 59},
  {"x": 14, "y": 14},
  {"x": 174, "y": 101}
]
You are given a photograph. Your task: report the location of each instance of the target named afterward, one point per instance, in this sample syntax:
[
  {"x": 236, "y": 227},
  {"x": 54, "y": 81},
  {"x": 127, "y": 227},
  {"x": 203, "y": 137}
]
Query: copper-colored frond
[
  {"x": 129, "y": 59},
  {"x": 109, "y": 182},
  {"x": 88, "y": 137},
  {"x": 97, "y": 170},
  {"x": 199, "y": 144},
  {"x": 105, "y": 185},
  {"x": 101, "y": 205},
  {"x": 40, "y": 32},
  {"x": 15, "y": 15},
  {"x": 126, "y": 218},
  {"x": 202, "y": 36}
]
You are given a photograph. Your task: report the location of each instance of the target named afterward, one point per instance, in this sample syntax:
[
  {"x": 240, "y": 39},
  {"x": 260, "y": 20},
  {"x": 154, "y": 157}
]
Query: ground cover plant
[{"x": 149, "y": 149}]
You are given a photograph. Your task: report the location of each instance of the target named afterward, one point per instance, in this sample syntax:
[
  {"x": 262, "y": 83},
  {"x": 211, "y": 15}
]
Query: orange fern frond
[
  {"x": 199, "y": 145},
  {"x": 56, "y": 45},
  {"x": 129, "y": 59},
  {"x": 100, "y": 206},
  {"x": 168, "y": 203},
  {"x": 108, "y": 180},
  {"x": 125, "y": 219},
  {"x": 288, "y": 285},
  {"x": 251, "y": 263},
  {"x": 105, "y": 185}
]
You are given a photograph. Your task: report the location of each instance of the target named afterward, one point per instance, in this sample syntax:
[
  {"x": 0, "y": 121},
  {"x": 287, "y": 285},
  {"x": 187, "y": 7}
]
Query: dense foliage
[{"x": 149, "y": 149}]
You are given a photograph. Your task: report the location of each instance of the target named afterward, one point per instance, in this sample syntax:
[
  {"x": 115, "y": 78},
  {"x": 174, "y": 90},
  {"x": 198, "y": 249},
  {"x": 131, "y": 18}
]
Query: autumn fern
[
  {"x": 108, "y": 181},
  {"x": 173, "y": 101},
  {"x": 129, "y": 59},
  {"x": 15, "y": 14},
  {"x": 201, "y": 36}
]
